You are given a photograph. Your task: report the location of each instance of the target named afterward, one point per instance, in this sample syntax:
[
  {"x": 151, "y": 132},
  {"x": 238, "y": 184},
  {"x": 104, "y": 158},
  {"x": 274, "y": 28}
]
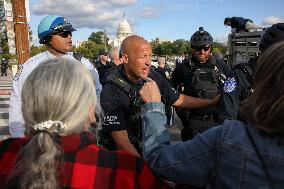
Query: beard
[{"x": 202, "y": 58}]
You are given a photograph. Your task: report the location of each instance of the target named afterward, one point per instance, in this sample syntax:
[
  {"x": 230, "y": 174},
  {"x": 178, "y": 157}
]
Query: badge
[{"x": 230, "y": 85}]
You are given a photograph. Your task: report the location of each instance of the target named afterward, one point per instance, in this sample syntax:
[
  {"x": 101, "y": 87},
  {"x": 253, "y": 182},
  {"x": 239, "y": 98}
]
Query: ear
[{"x": 125, "y": 58}]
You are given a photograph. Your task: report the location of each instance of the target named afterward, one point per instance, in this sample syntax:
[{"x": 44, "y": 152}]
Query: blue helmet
[{"x": 52, "y": 24}]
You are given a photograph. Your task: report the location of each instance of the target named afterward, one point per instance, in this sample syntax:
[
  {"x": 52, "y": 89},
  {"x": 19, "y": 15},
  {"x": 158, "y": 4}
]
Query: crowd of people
[{"x": 232, "y": 134}]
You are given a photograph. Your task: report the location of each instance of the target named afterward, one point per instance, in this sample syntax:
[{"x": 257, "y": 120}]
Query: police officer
[
  {"x": 4, "y": 67},
  {"x": 238, "y": 85},
  {"x": 161, "y": 68},
  {"x": 55, "y": 32},
  {"x": 103, "y": 64},
  {"x": 120, "y": 98},
  {"x": 240, "y": 24},
  {"x": 115, "y": 56},
  {"x": 201, "y": 77}
]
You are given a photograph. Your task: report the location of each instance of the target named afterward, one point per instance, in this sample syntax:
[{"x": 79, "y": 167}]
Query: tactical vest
[
  {"x": 206, "y": 80},
  {"x": 135, "y": 104}
]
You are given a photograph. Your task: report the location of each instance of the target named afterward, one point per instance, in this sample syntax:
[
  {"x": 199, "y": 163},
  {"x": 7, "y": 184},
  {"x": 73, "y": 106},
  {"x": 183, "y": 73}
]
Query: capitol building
[{"x": 124, "y": 30}]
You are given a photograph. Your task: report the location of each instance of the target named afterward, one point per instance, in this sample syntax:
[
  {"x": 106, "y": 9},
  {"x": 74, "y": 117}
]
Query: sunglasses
[
  {"x": 64, "y": 34},
  {"x": 202, "y": 47}
]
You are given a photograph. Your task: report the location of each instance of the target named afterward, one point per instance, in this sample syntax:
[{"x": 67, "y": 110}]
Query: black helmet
[
  {"x": 273, "y": 34},
  {"x": 201, "y": 38}
]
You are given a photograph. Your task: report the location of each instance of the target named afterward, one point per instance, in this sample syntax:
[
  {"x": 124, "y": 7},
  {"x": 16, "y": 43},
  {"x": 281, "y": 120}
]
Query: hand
[{"x": 150, "y": 92}]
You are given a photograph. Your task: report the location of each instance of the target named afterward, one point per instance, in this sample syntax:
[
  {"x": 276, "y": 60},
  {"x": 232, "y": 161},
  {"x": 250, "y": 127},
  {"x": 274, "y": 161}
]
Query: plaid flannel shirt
[{"x": 85, "y": 165}]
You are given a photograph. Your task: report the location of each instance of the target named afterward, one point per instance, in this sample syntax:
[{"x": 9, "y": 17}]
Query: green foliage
[
  {"x": 219, "y": 47},
  {"x": 89, "y": 49},
  {"x": 30, "y": 35},
  {"x": 34, "y": 50},
  {"x": 180, "y": 46},
  {"x": 5, "y": 49},
  {"x": 98, "y": 37}
]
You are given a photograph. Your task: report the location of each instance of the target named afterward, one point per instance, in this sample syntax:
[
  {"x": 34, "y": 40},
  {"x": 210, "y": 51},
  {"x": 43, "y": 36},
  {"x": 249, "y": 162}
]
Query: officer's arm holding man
[
  {"x": 55, "y": 32},
  {"x": 136, "y": 52}
]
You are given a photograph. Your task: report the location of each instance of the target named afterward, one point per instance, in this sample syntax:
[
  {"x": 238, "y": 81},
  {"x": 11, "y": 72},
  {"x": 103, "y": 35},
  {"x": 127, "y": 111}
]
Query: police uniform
[
  {"x": 122, "y": 104},
  {"x": 104, "y": 69},
  {"x": 4, "y": 67},
  {"x": 16, "y": 122},
  {"x": 200, "y": 80},
  {"x": 237, "y": 87}
]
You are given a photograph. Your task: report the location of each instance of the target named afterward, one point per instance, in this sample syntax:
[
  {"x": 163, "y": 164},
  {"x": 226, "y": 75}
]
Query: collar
[
  {"x": 72, "y": 142},
  {"x": 51, "y": 56},
  {"x": 139, "y": 83}
]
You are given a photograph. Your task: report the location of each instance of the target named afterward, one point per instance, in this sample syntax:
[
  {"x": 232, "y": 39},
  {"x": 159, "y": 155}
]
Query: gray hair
[
  {"x": 114, "y": 53},
  {"x": 59, "y": 90}
]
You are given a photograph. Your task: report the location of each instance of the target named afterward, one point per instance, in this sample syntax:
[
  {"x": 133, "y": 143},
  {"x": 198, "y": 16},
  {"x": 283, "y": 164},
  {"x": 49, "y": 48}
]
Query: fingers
[{"x": 150, "y": 92}]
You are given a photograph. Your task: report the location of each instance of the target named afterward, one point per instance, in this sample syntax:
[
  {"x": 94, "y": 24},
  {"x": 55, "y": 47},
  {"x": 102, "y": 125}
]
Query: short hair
[
  {"x": 161, "y": 60},
  {"x": 129, "y": 42},
  {"x": 114, "y": 53},
  {"x": 228, "y": 19},
  {"x": 265, "y": 107}
]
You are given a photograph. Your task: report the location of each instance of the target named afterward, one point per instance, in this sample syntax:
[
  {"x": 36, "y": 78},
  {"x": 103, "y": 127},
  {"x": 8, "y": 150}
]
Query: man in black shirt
[
  {"x": 103, "y": 65},
  {"x": 161, "y": 68},
  {"x": 200, "y": 76},
  {"x": 120, "y": 98}
]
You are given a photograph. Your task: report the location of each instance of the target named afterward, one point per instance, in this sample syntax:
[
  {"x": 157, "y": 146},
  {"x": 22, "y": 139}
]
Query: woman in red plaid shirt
[{"x": 58, "y": 151}]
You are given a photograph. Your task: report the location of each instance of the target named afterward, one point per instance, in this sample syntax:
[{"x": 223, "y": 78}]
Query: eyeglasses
[
  {"x": 64, "y": 34},
  {"x": 202, "y": 47}
]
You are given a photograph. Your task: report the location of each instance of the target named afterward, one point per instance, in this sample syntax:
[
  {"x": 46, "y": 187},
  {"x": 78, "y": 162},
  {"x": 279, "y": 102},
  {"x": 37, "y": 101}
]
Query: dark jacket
[{"x": 239, "y": 23}]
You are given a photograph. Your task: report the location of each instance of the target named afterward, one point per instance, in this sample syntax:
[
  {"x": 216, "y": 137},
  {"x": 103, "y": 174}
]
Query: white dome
[{"x": 124, "y": 27}]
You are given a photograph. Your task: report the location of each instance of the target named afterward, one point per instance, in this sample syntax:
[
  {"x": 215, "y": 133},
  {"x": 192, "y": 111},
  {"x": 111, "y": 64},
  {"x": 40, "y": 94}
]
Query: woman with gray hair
[{"x": 58, "y": 152}]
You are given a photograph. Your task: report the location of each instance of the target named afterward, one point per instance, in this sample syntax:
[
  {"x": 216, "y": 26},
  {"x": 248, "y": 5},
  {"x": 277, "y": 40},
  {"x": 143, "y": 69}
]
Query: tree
[
  {"x": 181, "y": 46},
  {"x": 5, "y": 48},
  {"x": 34, "y": 50},
  {"x": 178, "y": 47},
  {"x": 89, "y": 49},
  {"x": 99, "y": 37},
  {"x": 219, "y": 47}
]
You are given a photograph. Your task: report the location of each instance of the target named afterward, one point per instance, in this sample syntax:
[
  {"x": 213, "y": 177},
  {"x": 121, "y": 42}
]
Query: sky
[{"x": 166, "y": 19}]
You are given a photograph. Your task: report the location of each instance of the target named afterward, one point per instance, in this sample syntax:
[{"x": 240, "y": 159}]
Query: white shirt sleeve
[
  {"x": 16, "y": 121},
  {"x": 95, "y": 75}
]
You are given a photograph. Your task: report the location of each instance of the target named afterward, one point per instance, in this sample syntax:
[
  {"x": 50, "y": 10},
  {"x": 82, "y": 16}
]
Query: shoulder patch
[
  {"x": 18, "y": 74},
  {"x": 230, "y": 85}
]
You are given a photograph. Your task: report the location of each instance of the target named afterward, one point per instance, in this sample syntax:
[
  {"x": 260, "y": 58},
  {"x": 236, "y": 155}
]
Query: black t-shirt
[
  {"x": 103, "y": 69},
  {"x": 162, "y": 71},
  {"x": 116, "y": 102}
]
